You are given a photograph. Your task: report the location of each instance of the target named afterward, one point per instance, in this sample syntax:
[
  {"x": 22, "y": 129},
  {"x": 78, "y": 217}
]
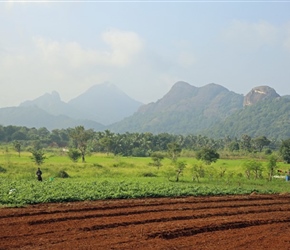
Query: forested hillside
[
  {"x": 211, "y": 110},
  {"x": 269, "y": 117},
  {"x": 184, "y": 109}
]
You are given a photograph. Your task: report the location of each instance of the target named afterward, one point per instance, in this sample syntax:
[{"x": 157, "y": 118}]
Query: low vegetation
[
  {"x": 105, "y": 176},
  {"x": 80, "y": 164}
]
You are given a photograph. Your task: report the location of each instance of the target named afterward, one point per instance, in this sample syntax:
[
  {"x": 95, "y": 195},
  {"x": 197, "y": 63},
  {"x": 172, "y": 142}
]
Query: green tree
[
  {"x": 261, "y": 142},
  {"x": 246, "y": 143},
  {"x": 74, "y": 154},
  {"x": 179, "y": 166},
  {"x": 18, "y": 135},
  {"x": 207, "y": 155},
  {"x": 80, "y": 137},
  {"x": 254, "y": 167},
  {"x": 198, "y": 171},
  {"x": 234, "y": 146},
  {"x": 59, "y": 137},
  {"x": 17, "y": 145},
  {"x": 285, "y": 150},
  {"x": 38, "y": 156},
  {"x": 156, "y": 158},
  {"x": 272, "y": 165},
  {"x": 173, "y": 150},
  {"x": 107, "y": 141}
]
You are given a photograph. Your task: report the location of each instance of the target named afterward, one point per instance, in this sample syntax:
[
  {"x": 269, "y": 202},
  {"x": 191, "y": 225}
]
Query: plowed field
[{"x": 225, "y": 222}]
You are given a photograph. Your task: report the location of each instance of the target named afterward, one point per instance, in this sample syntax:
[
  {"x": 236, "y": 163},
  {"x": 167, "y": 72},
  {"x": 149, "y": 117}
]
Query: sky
[{"x": 142, "y": 47}]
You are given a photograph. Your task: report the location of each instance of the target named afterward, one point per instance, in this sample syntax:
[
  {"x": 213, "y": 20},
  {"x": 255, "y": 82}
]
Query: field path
[{"x": 223, "y": 222}]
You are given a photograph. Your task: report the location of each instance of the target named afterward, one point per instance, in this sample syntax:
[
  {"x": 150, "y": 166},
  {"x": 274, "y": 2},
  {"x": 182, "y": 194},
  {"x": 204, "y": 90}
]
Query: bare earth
[{"x": 226, "y": 222}]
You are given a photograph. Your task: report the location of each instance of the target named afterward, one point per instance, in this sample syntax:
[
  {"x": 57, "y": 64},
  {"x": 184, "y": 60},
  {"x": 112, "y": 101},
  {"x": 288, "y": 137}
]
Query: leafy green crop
[{"x": 107, "y": 177}]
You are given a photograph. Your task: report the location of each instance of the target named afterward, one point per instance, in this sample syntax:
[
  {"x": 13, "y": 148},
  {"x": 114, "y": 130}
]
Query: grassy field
[{"x": 108, "y": 177}]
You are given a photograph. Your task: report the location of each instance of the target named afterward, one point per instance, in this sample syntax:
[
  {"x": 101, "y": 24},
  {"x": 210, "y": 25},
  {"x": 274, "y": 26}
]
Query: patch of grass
[{"x": 107, "y": 177}]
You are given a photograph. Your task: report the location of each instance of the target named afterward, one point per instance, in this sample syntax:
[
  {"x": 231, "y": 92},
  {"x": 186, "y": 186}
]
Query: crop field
[
  {"x": 126, "y": 203},
  {"x": 212, "y": 222}
]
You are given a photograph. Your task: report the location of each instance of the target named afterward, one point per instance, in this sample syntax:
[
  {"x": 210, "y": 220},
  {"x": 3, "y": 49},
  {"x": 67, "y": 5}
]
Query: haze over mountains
[
  {"x": 185, "y": 109},
  {"x": 96, "y": 107}
]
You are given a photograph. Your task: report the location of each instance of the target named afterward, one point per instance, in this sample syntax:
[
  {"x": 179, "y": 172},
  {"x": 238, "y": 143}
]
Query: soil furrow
[
  {"x": 225, "y": 222},
  {"x": 211, "y": 228},
  {"x": 95, "y": 205},
  {"x": 66, "y": 218}
]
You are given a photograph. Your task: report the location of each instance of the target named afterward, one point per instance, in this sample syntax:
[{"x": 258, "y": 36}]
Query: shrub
[
  {"x": 148, "y": 174},
  {"x": 62, "y": 174},
  {"x": 2, "y": 170},
  {"x": 38, "y": 156},
  {"x": 157, "y": 158},
  {"x": 98, "y": 165},
  {"x": 198, "y": 171},
  {"x": 74, "y": 154}
]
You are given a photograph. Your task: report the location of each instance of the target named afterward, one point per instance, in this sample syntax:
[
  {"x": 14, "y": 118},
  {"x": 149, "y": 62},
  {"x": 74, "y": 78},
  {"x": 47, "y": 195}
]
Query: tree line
[{"x": 129, "y": 144}]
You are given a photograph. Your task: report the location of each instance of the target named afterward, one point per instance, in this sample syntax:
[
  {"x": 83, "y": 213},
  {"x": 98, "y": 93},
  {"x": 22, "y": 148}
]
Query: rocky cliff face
[{"x": 259, "y": 93}]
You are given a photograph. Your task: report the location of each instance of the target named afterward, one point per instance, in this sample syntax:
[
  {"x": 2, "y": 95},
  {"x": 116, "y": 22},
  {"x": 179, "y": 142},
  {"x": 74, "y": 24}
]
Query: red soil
[{"x": 226, "y": 222}]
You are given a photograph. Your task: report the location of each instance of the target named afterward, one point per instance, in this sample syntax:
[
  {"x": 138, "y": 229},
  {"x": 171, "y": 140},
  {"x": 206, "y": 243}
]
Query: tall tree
[
  {"x": 80, "y": 137},
  {"x": 285, "y": 150},
  {"x": 272, "y": 165},
  {"x": 208, "y": 155},
  {"x": 246, "y": 143},
  {"x": 157, "y": 158},
  {"x": 107, "y": 141},
  {"x": 179, "y": 166},
  {"x": 260, "y": 142},
  {"x": 17, "y": 145},
  {"x": 174, "y": 150}
]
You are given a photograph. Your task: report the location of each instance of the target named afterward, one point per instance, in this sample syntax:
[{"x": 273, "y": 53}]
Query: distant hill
[
  {"x": 269, "y": 117},
  {"x": 52, "y": 104},
  {"x": 102, "y": 103},
  {"x": 214, "y": 111},
  {"x": 211, "y": 110},
  {"x": 32, "y": 116},
  {"x": 105, "y": 103},
  {"x": 184, "y": 109}
]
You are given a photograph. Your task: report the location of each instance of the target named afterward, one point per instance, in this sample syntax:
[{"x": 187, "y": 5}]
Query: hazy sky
[{"x": 143, "y": 47}]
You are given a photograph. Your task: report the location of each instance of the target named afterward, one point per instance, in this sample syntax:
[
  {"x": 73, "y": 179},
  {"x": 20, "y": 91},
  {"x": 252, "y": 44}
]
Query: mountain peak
[
  {"x": 259, "y": 93},
  {"x": 105, "y": 103},
  {"x": 55, "y": 95},
  {"x": 181, "y": 84},
  {"x": 180, "y": 90},
  {"x": 45, "y": 99},
  {"x": 104, "y": 85}
]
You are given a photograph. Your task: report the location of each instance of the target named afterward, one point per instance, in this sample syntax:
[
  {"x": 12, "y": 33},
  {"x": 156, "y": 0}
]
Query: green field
[{"x": 109, "y": 177}]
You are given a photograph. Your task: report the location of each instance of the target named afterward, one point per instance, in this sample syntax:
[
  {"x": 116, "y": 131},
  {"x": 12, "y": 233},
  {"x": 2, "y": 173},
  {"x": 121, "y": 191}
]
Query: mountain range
[
  {"x": 184, "y": 109},
  {"x": 212, "y": 110},
  {"x": 97, "y": 107}
]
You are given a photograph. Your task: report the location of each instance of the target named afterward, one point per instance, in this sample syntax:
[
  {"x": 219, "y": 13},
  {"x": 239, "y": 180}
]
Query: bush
[
  {"x": 38, "y": 156},
  {"x": 62, "y": 174},
  {"x": 148, "y": 174},
  {"x": 2, "y": 170},
  {"x": 98, "y": 165},
  {"x": 74, "y": 154}
]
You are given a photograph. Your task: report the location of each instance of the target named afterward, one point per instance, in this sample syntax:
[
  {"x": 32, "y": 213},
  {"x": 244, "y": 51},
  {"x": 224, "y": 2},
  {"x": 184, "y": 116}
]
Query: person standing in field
[{"x": 39, "y": 173}]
